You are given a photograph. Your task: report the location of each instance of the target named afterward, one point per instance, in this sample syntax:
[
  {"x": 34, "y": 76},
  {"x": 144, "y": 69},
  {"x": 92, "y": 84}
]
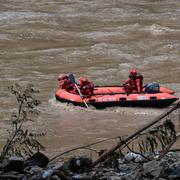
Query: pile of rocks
[{"x": 80, "y": 168}]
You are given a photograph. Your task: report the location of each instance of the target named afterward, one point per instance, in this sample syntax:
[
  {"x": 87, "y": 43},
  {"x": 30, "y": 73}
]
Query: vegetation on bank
[{"x": 21, "y": 141}]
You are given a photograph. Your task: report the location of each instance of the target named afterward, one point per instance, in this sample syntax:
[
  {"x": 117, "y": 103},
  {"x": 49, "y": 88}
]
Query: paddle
[{"x": 72, "y": 79}]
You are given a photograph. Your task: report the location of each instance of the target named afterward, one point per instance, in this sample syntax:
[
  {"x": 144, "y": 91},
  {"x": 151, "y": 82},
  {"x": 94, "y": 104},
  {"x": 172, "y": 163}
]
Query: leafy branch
[{"x": 20, "y": 141}]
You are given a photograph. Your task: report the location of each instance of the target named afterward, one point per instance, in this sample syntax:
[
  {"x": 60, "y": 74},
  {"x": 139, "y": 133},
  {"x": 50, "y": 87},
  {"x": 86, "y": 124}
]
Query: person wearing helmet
[
  {"x": 65, "y": 83},
  {"x": 62, "y": 78},
  {"x": 134, "y": 83},
  {"x": 86, "y": 87}
]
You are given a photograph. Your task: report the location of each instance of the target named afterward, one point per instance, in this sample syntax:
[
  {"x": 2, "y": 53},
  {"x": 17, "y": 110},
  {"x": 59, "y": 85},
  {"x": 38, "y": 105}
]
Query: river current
[{"x": 99, "y": 39}]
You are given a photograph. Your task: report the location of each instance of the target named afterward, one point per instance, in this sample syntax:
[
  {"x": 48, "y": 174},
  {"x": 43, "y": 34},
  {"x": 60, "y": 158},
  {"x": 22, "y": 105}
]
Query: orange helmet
[
  {"x": 83, "y": 80},
  {"x": 62, "y": 76},
  {"x": 133, "y": 72}
]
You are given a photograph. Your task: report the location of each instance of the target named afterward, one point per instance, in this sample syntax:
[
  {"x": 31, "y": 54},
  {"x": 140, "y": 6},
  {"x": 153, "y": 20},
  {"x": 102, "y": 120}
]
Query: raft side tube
[
  {"x": 119, "y": 89},
  {"x": 102, "y": 101}
]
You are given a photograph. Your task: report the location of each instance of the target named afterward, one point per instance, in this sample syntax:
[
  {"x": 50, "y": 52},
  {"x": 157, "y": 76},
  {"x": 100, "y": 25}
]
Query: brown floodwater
[{"x": 100, "y": 39}]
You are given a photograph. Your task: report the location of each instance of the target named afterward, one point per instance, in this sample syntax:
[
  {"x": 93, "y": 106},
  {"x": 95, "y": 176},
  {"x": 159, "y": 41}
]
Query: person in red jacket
[
  {"x": 134, "y": 83},
  {"x": 86, "y": 87},
  {"x": 65, "y": 83}
]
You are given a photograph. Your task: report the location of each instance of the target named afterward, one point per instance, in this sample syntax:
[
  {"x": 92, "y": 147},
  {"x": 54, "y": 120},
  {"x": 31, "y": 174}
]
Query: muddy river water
[{"x": 99, "y": 39}]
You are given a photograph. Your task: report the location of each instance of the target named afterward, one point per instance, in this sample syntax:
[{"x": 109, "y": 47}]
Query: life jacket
[
  {"x": 134, "y": 83},
  {"x": 67, "y": 85},
  {"x": 86, "y": 88}
]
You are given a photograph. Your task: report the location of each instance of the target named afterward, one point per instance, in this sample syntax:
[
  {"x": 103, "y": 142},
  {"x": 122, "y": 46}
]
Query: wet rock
[
  {"x": 79, "y": 168},
  {"x": 38, "y": 159},
  {"x": 134, "y": 157},
  {"x": 152, "y": 169},
  {"x": 173, "y": 171},
  {"x": 34, "y": 170},
  {"x": 83, "y": 177},
  {"x": 49, "y": 171},
  {"x": 10, "y": 176},
  {"x": 35, "y": 177},
  {"x": 109, "y": 175},
  {"x": 80, "y": 164},
  {"x": 171, "y": 157},
  {"x": 128, "y": 167},
  {"x": 135, "y": 174},
  {"x": 65, "y": 167},
  {"x": 14, "y": 164},
  {"x": 54, "y": 177}
]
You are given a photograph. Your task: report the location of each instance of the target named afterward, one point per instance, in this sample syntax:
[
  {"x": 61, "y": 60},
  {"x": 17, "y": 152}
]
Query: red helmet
[
  {"x": 133, "y": 72},
  {"x": 83, "y": 80},
  {"x": 62, "y": 76}
]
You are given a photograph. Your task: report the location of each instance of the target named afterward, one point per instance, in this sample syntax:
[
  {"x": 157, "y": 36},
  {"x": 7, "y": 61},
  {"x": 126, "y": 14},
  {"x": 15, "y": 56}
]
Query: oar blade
[{"x": 72, "y": 78}]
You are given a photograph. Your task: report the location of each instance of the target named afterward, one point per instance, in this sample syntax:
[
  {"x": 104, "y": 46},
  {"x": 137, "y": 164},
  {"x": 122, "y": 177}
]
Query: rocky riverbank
[{"x": 131, "y": 166}]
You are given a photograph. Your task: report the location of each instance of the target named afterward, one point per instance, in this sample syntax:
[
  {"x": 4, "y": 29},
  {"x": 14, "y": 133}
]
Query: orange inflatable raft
[{"x": 115, "y": 96}]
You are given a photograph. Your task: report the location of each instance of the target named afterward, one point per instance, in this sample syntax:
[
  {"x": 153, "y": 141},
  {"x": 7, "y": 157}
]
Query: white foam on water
[
  {"x": 172, "y": 45},
  {"x": 14, "y": 17},
  {"x": 156, "y": 59},
  {"x": 62, "y": 106},
  {"x": 99, "y": 34},
  {"x": 124, "y": 28},
  {"x": 5, "y": 37},
  {"x": 111, "y": 51},
  {"x": 59, "y": 105},
  {"x": 157, "y": 29},
  {"x": 125, "y": 66}
]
